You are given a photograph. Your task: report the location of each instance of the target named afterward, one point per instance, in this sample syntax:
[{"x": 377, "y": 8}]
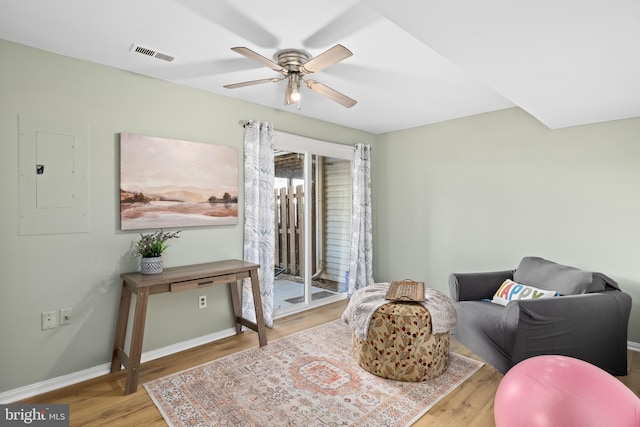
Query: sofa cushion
[
  {"x": 563, "y": 279},
  {"x": 512, "y": 291}
]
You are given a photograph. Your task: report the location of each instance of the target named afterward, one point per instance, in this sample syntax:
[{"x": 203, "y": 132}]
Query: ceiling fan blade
[
  {"x": 234, "y": 19},
  {"x": 253, "y": 82},
  {"x": 259, "y": 58},
  {"x": 348, "y": 22},
  {"x": 326, "y": 59},
  {"x": 332, "y": 94}
]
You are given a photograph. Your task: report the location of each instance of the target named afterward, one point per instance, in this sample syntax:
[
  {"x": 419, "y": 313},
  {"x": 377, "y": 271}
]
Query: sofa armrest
[
  {"x": 592, "y": 327},
  {"x": 476, "y": 286}
]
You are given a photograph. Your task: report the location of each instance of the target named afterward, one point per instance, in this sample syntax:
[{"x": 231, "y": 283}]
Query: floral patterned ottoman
[{"x": 400, "y": 345}]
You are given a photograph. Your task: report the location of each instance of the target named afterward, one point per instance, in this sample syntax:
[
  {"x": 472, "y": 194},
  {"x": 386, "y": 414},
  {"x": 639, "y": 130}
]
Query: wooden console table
[{"x": 178, "y": 279}]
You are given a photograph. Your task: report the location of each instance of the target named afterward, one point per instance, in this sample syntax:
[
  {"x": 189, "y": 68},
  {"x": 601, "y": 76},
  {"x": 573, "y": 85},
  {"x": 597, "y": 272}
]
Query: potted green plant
[{"x": 150, "y": 248}]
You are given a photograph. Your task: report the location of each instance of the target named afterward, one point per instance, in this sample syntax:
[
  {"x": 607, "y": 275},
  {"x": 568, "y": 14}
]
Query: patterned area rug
[{"x": 306, "y": 379}]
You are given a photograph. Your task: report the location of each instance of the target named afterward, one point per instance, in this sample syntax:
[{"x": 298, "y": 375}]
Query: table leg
[
  {"x": 257, "y": 302},
  {"x": 235, "y": 301},
  {"x": 137, "y": 335},
  {"x": 121, "y": 328}
]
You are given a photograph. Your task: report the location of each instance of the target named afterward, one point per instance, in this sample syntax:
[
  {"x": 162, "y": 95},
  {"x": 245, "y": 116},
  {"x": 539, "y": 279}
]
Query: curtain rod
[
  {"x": 250, "y": 123},
  {"x": 245, "y": 123}
]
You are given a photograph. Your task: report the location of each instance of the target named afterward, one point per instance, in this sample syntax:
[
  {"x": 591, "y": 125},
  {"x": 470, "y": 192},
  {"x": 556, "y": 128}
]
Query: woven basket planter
[{"x": 151, "y": 265}]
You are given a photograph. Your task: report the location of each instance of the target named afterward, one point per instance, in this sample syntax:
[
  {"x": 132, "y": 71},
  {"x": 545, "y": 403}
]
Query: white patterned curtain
[
  {"x": 258, "y": 215},
  {"x": 361, "y": 265}
]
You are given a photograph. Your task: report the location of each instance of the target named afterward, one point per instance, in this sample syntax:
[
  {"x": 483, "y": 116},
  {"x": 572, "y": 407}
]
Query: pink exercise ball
[{"x": 560, "y": 391}]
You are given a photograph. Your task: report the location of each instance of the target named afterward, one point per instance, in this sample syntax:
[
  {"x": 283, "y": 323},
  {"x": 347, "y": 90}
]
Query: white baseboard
[
  {"x": 96, "y": 371},
  {"x": 53, "y": 384},
  {"x": 633, "y": 346}
]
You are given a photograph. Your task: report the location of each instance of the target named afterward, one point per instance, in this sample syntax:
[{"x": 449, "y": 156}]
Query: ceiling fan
[{"x": 294, "y": 64}]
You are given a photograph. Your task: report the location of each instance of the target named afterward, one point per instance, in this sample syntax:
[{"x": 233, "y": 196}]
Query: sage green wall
[
  {"x": 81, "y": 271},
  {"x": 479, "y": 193},
  {"x": 465, "y": 195}
]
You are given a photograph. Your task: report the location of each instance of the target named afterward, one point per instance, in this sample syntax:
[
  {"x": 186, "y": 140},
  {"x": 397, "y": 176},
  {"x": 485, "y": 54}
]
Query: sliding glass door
[{"x": 312, "y": 221}]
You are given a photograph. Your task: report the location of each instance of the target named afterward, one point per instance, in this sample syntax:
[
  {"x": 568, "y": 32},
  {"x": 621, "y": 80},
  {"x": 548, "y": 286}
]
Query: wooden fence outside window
[{"x": 289, "y": 226}]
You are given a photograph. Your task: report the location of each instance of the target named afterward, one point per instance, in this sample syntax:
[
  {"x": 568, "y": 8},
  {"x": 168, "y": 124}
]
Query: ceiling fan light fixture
[
  {"x": 292, "y": 94},
  {"x": 295, "y": 93},
  {"x": 293, "y": 64}
]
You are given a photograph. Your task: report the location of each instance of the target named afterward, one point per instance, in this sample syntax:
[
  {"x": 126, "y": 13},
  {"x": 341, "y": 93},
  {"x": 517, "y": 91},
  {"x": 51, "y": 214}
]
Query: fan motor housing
[{"x": 291, "y": 59}]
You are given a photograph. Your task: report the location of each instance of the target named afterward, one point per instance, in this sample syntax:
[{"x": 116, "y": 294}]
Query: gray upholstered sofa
[{"x": 588, "y": 320}]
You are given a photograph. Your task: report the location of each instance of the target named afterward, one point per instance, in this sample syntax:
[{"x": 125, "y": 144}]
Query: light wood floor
[{"x": 100, "y": 401}]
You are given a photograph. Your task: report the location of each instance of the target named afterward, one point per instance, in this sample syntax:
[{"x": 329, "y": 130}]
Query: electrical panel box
[
  {"x": 54, "y": 170},
  {"x": 53, "y": 160}
]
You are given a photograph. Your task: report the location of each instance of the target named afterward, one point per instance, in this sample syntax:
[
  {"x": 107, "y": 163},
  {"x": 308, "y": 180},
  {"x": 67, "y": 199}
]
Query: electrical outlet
[
  {"x": 202, "y": 301},
  {"x": 65, "y": 316},
  {"x": 49, "y": 319}
]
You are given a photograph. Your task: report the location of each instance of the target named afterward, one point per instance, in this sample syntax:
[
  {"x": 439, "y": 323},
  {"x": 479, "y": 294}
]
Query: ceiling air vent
[{"x": 151, "y": 52}]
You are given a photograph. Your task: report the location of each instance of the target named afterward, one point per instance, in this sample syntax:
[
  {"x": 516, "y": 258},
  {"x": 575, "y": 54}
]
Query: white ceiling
[{"x": 415, "y": 62}]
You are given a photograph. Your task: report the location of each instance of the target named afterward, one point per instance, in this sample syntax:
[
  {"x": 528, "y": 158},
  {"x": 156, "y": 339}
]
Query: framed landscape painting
[{"x": 167, "y": 183}]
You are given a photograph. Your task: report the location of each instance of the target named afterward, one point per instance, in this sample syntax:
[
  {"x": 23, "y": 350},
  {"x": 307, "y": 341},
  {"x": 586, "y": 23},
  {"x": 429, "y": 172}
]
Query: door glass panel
[
  {"x": 318, "y": 240},
  {"x": 335, "y": 244},
  {"x": 289, "y": 226}
]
